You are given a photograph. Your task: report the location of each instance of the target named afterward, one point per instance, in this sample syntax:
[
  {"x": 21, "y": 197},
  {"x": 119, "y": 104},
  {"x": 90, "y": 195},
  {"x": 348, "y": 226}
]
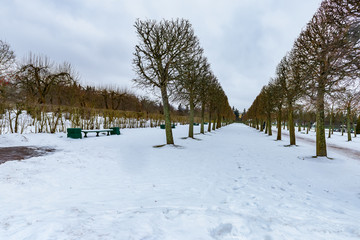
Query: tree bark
[
  {"x": 191, "y": 118},
  {"x": 209, "y": 126},
  {"x": 320, "y": 119},
  {"x": 17, "y": 114},
  {"x": 266, "y": 126},
  {"x": 218, "y": 122},
  {"x": 168, "y": 130},
  {"x": 291, "y": 125},
  {"x": 261, "y": 126},
  {"x": 354, "y": 127},
  {"x": 214, "y": 124},
  {"x": 202, "y": 118},
  {"x": 331, "y": 119},
  {"x": 348, "y": 122},
  {"x": 269, "y": 124},
  {"x": 279, "y": 125}
]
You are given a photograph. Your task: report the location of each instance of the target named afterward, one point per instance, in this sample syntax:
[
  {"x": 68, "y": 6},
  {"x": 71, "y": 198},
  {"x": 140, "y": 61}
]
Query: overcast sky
[{"x": 243, "y": 39}]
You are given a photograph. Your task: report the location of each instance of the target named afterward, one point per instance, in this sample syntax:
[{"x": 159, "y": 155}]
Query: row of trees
[
  {"x": 169, "y": 60},
  {"x": 322, "y": 68},
  {"x": 181, "y": 73}
]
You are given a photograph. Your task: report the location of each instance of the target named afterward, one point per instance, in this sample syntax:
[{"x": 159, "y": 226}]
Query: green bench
[
  {"x": 97, "y": 131},
  {"x": 162, "y": 126},
  {"x": 77, "y": 132}
]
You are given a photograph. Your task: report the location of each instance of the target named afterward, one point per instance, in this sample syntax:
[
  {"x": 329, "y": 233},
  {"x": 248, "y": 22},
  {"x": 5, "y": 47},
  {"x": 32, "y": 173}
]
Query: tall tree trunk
[
  {"x": 202, "y": 118},
  {"x": 218, "y": 122},
  {"x": 17, "y": 114},
  {"x": 10, "y": 122},
  {"x": 348, "y": 122},
  {"x": 331, "y": 120},
  {"x": 354, "y": 126},
  {"x": 41, "y": 99},
  {"x": 261, "y": 126},
  {"x": 320, "y": 119},
  {"x": 106, "y": 101},
  {"x": 209, "y": 126},
  {"x": 279, "y": 124},
  {"x": 291, "y": 125},
  {"x": 214, "y": 123},
  {"x": 191, "y": 117},
  {"x": 168, "y": 130},
  {"x": 266, "y": 127},
  {"x": 269, "y": 124}
]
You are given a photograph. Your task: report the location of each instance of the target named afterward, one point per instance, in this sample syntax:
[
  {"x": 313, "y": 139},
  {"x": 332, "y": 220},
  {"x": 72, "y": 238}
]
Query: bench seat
[{"x": 97, "y": 131}]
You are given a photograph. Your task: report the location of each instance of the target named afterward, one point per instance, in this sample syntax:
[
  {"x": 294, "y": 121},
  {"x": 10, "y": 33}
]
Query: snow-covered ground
[
  {"x": 234, "y": 183},
  {"x": 336, "y": 138}
]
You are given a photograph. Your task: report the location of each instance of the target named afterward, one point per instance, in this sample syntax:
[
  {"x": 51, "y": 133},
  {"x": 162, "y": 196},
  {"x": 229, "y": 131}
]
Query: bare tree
[
  {"x": 188, "y": 83},
  {"x": 291, "y": 80},
  {"x": 278, "y": 101},
  {"x": 330, "y": 102},
  {"x": 7, "y": 60},
  {"x": 203, "y": 92},
  {"x": 38, "y": 75},
  {"x": 273, "y": 102},
  {"x": 329, "y": 48},
  {"x": 213, "y": 88},
  {"x": 349, "y": 100},
  {"x": 221, "y": 107},
  {"x": 7, "y": 57},
  {"x": 162, "y": 47}
]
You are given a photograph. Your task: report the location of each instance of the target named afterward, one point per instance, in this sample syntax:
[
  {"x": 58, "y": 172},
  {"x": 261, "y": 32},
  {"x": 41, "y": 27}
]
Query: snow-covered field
[{"x": 234, "y": 183}]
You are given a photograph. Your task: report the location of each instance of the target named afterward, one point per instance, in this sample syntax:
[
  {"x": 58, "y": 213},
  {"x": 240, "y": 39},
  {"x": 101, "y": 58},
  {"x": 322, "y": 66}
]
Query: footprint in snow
[
  {"x": 224, "y": 190},
  {"x": 267, "y": 237},
  {"x": 171, "y": 214},
  {"x": 221, "y": 230}
]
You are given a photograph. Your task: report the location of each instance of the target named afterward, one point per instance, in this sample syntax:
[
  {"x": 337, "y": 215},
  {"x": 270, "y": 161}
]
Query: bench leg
[
  {"x": 97, "y": 134},
  {"x": 108, "y": 133},
  {"x": 85, "y": 134}
]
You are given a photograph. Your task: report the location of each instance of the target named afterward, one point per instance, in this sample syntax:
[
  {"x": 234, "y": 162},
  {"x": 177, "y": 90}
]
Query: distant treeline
[{"x": 39, "y": 87}]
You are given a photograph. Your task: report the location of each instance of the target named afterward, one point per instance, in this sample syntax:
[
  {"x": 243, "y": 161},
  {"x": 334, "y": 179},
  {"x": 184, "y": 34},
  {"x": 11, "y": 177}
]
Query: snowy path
[{"x": 232, "y": 184}]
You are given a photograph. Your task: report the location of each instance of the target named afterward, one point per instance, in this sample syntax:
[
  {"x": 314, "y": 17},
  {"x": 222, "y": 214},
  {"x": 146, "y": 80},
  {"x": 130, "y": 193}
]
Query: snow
[{"x": 234, "y": 183}]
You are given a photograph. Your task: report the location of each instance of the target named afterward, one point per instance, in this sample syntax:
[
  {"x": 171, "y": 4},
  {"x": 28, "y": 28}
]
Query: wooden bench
[{"x": 97, "y": 131}]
